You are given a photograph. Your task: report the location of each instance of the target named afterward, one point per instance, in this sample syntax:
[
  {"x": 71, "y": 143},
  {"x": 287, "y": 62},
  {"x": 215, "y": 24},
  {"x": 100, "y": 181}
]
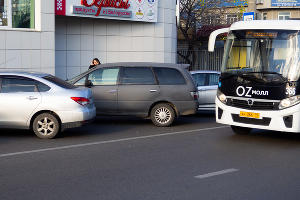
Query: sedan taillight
[
  {"x": 81, "y": 100},
  {"x": 195, "y": 95}
]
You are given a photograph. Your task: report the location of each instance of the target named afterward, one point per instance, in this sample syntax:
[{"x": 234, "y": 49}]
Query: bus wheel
[{"x": 240, "y": 130}]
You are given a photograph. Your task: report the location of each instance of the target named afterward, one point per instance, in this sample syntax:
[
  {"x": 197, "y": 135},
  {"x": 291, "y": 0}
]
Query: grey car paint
[
  {"x": 138, "y": 99},
  {"x": 206, "y": 92}
]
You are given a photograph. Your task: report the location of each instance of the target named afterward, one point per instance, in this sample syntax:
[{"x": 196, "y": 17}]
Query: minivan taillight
[
  {"x": 195, "y": 95},
  {"x": 81, "y": 100}
]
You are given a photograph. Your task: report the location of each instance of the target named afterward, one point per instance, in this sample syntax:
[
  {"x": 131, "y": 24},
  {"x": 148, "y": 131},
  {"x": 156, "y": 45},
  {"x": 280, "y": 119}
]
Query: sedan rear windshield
[{"x": 59, "y": 82}]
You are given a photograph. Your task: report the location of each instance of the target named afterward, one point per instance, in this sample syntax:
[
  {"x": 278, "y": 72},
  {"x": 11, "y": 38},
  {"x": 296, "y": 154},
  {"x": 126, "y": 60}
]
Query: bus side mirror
[{"x": 213, "y": 37}]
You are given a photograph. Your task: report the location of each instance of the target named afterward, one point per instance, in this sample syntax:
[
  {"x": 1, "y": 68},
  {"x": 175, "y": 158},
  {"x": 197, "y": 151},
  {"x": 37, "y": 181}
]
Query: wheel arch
[
  {"x": 44, "y": 111},
  {"x": 166, "y": 102}
]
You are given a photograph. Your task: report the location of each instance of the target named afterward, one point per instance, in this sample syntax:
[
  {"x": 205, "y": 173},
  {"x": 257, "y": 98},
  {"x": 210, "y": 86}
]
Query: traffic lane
[
  {"x": 102, "y": 129},
  {"x": 161, "y": 168}
]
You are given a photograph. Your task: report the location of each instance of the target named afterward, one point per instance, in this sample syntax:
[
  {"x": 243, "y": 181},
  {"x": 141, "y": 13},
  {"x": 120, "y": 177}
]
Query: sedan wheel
[
  {"x": 46, "y": 126},
  {"x": 162, "y": 115}
]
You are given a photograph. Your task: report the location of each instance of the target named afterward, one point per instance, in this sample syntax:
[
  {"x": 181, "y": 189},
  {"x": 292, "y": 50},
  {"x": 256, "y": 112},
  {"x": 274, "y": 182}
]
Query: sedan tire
[
  {"x": 162, "y": 115},
  {"x": 46, "y": 126}
]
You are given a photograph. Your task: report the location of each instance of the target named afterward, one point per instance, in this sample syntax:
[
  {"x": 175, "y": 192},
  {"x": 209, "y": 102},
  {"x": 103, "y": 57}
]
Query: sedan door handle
[
  {"x": 32, "y": 98},
  {"x": 153, "y": 90}
]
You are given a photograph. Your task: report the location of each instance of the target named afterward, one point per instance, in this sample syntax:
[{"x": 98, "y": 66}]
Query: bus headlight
[
  {"x": 288, "y": 102},
  {"x": 222, "y": 97}
]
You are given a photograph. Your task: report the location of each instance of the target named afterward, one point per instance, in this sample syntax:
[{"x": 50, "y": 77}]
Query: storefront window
[
  {"x": 22, "y": 13},
  {"x": 3, "y": 12},
  {"x": 17, "y": 13}
]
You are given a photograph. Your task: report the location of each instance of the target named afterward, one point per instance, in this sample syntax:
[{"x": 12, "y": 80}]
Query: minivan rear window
[
  {"x": 59, "y": 82},
  {"x": 169, "y": 76}
]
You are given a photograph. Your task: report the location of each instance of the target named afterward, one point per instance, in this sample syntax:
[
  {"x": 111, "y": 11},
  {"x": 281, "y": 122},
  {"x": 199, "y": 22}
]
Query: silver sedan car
[
  {"x": 43, "y": 103},
  {"x": 207, "y": 85}
]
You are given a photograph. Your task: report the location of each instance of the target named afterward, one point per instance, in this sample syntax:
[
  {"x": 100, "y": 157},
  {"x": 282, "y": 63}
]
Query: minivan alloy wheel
[{"x": 162, "y": 115}]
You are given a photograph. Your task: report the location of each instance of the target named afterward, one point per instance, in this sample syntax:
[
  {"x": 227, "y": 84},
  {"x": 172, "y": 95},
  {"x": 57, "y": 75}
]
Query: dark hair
[{"x": 96, "y": 59}]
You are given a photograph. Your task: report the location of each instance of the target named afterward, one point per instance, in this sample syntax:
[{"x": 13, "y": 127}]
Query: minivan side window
[
  {"x": 12, "y": 85},
  {"x": 169, "y": 76},
  {"x": 138, "y": 76},
  {"x": 104, "y": 76}
]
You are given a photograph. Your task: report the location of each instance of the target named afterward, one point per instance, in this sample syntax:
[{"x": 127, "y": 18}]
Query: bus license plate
[{"x": 250, "y": 115}]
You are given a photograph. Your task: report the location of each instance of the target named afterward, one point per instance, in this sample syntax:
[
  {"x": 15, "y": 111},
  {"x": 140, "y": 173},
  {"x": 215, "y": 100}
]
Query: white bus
[{"x": 259, "y": 86}]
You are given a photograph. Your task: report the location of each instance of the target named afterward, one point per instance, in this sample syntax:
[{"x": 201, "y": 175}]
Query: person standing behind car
[{"x": 94, "y": 63}]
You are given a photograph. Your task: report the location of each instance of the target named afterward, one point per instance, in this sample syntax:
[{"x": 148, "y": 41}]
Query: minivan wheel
[
  {"x": 46, "y": 126},
  {"x": 241, "y": 130},
  {"x": 162, "y": 115}
]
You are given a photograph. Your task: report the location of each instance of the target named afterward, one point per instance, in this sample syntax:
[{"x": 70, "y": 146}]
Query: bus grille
[{"x": 254, "y": 105}]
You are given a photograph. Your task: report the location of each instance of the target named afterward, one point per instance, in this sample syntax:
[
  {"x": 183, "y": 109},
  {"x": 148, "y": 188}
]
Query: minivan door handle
[
  {"x": 153, "y": 90},
  {"x": 112, "y": 91}
]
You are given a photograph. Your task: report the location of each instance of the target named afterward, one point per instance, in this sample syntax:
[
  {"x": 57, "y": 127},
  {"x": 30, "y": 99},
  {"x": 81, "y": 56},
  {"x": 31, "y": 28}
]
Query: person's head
[{"x": 96, "y": 61}]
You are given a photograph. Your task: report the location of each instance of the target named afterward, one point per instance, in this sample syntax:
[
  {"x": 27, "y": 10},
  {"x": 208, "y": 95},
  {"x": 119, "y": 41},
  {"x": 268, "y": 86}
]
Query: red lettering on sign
[{"x": 124, "y": 4}]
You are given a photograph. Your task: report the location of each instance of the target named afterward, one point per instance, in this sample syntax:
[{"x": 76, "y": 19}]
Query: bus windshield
[{"x": 263, "y": 52}]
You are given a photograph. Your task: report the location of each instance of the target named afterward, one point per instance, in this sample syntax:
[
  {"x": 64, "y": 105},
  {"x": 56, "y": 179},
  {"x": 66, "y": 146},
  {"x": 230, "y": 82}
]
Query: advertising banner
[
  {"x": 131, "y": 10},
  {"x": 285, "y": 3}
]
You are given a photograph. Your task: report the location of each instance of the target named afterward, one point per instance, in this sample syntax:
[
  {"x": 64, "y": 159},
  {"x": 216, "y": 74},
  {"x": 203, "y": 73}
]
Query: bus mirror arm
[{"x": 213, "y": 36}]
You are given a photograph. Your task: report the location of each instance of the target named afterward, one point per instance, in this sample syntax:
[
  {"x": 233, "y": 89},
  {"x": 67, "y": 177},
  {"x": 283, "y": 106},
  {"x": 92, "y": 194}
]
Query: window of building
[
  {"x": 284, "y": 15},
  {"x": 231, "y": 18},
  {"x": 265, "y": 15},
  {"x": 17, "y": 13}
]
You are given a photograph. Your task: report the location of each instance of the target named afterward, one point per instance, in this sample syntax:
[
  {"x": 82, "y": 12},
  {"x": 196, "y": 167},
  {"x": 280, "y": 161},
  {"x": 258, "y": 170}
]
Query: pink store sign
[{"x": 133, "y": 10}]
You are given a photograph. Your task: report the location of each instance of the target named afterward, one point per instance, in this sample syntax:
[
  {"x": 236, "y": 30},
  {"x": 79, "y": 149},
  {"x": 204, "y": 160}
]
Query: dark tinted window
[
  {"x": 11, "y": 85},
  {"x": 168, "y": 76},
  {"x": 199, "y": 79},
  {"x": 137, "y": 75},
  {"x": 59, "y": 82},
  {"x": 213, "y": 79}
]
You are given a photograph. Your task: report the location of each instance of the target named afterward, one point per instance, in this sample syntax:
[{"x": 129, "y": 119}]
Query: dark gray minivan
[{"x": 156, "y": 90}]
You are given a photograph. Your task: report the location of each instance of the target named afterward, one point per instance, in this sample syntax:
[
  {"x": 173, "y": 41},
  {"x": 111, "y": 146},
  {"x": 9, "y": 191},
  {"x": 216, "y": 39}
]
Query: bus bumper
[{"x": 286, "y": 120}]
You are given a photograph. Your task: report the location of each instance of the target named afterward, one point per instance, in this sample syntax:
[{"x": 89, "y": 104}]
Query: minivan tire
[
  {"x": 240, "y": 130},
  {"x": 46, "y": 126},
  {"x": 162, "y": 115}
]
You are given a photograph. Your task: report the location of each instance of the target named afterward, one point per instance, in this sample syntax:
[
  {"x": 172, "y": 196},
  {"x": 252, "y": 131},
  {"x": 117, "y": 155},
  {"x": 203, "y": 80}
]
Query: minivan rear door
[{"x": 138, "y": 90}]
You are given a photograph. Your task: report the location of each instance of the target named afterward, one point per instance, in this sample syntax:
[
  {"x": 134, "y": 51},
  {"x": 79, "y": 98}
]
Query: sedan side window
[
  {"x": 213, "y": 79},
  {"x": 104, "y": 76},
  {"x": 199, "y": 78},
  {"x": 11, "y": 85}
]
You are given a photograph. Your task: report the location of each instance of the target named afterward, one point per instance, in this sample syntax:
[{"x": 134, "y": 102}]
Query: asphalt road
[{"x": 120, "y": 158}]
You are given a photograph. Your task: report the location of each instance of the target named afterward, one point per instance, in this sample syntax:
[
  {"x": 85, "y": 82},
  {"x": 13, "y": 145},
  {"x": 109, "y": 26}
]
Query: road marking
[
  {"x": 106, "y": 142},
  {"x": 225, "y": 171}
]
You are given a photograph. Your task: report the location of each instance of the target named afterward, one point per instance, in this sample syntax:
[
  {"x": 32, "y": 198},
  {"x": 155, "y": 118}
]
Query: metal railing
[{"x": 203, "y": 60}]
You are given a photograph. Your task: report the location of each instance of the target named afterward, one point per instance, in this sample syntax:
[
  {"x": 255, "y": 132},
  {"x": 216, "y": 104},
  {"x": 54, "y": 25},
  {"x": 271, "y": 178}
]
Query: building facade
[
  {"x": 61, "y": 37},
  {"x": 275, "y": 9}
]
